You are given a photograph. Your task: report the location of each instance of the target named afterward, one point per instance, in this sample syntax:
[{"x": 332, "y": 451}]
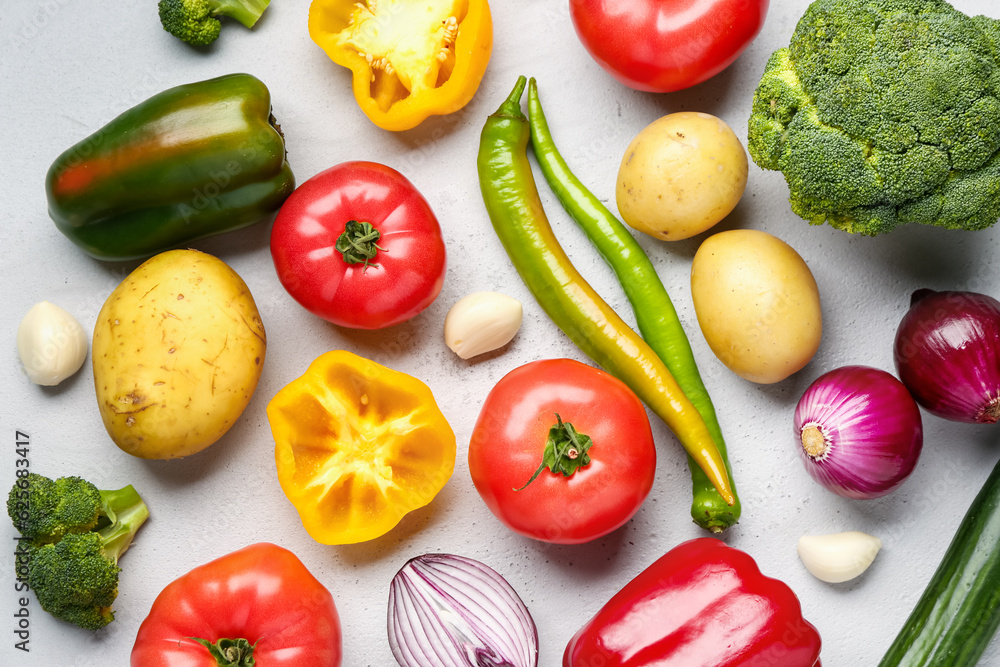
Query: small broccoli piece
[
  {"x": 75, "y": 535},
  {"x": 44, "y": 510},
  {"x": 75, "y": 580},
  {"x": 881, "y": 113},
  {"x": 196, "y": 22}
]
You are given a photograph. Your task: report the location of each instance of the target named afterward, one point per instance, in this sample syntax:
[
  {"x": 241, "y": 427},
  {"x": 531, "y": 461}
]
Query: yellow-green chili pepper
[
  {"x": 654, "y": 312},
  {"x": 515, "y": 210}
]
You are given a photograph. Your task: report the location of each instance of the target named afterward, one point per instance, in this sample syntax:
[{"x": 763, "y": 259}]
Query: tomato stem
[
  {"x": 230, "y": 652},
  {"x": 565, "y": 451},
  {"x": 358, "y": 243}
]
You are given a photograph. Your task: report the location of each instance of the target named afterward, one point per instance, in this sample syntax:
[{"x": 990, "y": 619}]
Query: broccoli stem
[
  {"x": 245, "y": 11},
  {"x": 126, "y": 512}
]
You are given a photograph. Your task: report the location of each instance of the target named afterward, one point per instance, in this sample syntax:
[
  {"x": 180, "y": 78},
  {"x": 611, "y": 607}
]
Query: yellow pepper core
[
  {"x": 410, "y": 58},
  {"x": 408, "y": 40},
  {"x": 358, "y": 446}
]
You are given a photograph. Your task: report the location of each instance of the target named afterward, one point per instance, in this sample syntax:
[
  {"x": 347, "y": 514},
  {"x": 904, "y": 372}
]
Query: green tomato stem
[
  {"x": 358, "y": 244},
  {"x": 565, "y": 451},
  {"x": 230, "y": 652}
]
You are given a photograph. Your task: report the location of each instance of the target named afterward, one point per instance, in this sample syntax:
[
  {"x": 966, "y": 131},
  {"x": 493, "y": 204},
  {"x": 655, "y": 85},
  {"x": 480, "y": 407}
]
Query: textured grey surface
[{"x": 69, "y": 66}]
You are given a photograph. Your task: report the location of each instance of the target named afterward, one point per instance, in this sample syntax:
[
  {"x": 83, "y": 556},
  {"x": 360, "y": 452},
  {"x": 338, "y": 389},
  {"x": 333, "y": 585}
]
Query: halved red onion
[
  {"x": 947, "y": 353},
  {"x": 859, "y": 432},
  {"x": 453, "y": 611}
]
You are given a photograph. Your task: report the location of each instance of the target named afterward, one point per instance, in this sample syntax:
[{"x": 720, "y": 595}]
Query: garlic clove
[
  {"x": 51, "y": 343},
  {"x": 481, "y": 322},
  {"x": 838, "y": 557}
]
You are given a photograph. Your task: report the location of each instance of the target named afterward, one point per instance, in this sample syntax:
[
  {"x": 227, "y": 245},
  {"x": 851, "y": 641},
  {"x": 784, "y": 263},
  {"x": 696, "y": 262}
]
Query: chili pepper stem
[{"x": 511, "y": 106}]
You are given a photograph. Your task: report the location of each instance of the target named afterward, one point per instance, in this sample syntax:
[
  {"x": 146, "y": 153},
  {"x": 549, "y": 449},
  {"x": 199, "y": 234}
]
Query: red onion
[
  {"x": 859, "y": 431},
  {"x": 452, "y": 611},
  {"x": 947, "y": 353}
]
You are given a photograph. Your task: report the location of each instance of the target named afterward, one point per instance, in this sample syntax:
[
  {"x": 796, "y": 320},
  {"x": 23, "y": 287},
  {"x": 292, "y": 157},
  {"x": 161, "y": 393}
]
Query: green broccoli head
[
  {"x": 75, "y": 581},
  {"x": 884, "y": 112},
  {"x": 196, "y": 22},
  {"x": 45, "y": 510},
  {"x": 74, "y": 535}
]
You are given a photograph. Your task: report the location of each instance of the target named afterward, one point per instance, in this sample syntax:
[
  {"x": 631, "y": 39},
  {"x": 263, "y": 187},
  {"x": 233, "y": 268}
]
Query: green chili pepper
[
  {"x": 654, "y": 312},
  {"x": 515, "y": 210},
  {"x": 192, "y": 161}
]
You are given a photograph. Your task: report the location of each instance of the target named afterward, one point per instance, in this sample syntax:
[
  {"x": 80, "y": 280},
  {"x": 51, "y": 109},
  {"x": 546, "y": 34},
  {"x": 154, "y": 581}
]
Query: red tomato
[
  {"x": 259, "y": 603},
  {"x": 665, "y": 45},
  {"x": 399, "y": 271},
  {"x": 509, "y": 442}
]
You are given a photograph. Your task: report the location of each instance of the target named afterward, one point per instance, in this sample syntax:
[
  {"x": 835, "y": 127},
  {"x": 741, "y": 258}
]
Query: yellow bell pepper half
[
  {"x": 410, "y": 58},
  {"x": 358, "y": 446}
]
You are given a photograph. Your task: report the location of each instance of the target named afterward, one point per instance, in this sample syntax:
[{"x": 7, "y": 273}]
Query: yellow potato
[
  {"x": 680, "y": 175},
  {"x": 757, "y": 304},
  {"x": 178, "y": 349}
]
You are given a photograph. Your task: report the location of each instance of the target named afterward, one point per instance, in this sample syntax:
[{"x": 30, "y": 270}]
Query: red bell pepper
[
  {"x": 259, "y": 605},
  {"x": 702, "y": 604}
]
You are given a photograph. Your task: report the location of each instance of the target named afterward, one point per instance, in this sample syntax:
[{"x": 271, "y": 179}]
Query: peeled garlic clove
[
  {"x": 51, "y": 343},
  {"x": 839, "y": 557},
  {"x": 481, "y": 322}
]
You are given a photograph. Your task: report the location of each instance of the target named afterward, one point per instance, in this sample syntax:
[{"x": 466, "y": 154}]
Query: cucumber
[{"x": 959, "y": 611}]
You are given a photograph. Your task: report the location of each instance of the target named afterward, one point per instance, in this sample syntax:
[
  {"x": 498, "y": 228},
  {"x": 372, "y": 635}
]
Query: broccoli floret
[
  {"x": 196, "y": 22},
  {"x": 75, "y": 580},
  {"x": 74, "y": 536},
  {"x": 884, "y": 112},
  {"x": 44, "y": 510}
]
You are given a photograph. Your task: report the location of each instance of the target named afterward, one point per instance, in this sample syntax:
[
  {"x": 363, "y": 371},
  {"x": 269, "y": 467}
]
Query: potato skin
[
  {"x": 178, "y": 349},
  {"x": 681, "y": 175},
  {"x": 757, "y": 304}
]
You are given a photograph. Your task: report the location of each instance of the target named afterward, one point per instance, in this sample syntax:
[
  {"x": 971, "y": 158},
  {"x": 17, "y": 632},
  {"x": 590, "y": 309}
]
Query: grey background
[{"x": 69, "y": 66}]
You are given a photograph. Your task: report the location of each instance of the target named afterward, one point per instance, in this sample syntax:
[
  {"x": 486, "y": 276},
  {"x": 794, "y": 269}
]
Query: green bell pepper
[{"x": 192, "y": 161}]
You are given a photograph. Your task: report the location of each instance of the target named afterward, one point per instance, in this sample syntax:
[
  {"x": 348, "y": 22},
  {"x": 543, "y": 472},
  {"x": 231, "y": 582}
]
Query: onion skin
[
  {"x": 871, "y": 432},
  {"x": 947, "y": 353}
]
